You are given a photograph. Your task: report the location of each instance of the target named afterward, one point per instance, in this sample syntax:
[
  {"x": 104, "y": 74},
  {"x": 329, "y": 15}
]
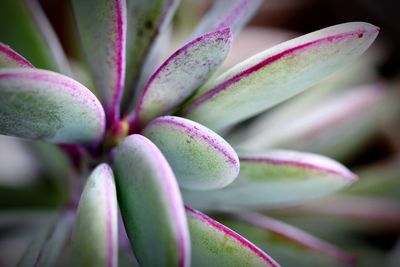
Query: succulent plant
[{"x": 153, "y": 147}]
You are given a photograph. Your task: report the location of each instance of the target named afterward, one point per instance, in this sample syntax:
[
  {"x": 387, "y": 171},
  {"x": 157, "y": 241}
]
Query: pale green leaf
[
  {"x": 95, "y": 234},
  {"x": 275, "y": 178},
  {"x": 102, "y": 29},
  {"x": 183, "y": 72},
  {"x": 213, "y": 244},
  {"x": 200, "y": 158},
  {"x": 146, "y": 20},
  {"x": 38, "y": 104},
  {"x": 151, "y": 204},
  {"x": 277, "y": 74}
]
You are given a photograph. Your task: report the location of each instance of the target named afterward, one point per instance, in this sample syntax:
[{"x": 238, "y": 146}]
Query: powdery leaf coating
[
  {"x": 200, "y": 158},
  {"x": 11, "y": 59},
  {"x": 183, "y": 72},
  {"x": 38, "y": 104},
  {"x": 228, "y": 13},
  {"x": 275, "y": 178},
  {"x": 213, "y": 244},
  {"x": 103, "y": 35},
  {"x": 151, "y": 204},
  {"x": 95, "y": 234},
  {"x": 277, "y": 74},
  {"x": 146, "y": 20},
  {"x": 47, "y": 245}
]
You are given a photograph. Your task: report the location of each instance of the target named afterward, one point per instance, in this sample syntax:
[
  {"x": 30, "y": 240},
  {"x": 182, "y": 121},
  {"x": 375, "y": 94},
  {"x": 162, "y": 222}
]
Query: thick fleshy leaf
[
  {"x": 31, "y": 34},
  {"x": 146, "y": 20},
  {"x": 11, "y": 59},
  {"x": 275, "y": 178},
  {"x": 102, "y": 29},
  {"x": 151, "y": 204},
  {"x": 213, "y": 244},
  {"x": 277, "y": 74},
  {"x": 200, "y": 158},
  {"x": 95, "y": 234},
  {"x": 44, "y": 105},
  {"x": 296, "y": 236},
  {"x": 183, "y": 72},
  {"x": 47, "y": 245},
  {"x": 228, "y": 13},
  {"x": 334, "y": 126}
]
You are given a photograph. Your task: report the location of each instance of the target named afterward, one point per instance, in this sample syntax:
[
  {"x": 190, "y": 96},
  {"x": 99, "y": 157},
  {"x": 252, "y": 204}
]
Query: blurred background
[{"x": 352, "y": 116}]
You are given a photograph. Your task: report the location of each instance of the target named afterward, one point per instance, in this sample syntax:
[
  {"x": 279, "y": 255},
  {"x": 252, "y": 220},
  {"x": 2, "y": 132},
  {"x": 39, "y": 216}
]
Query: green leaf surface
[
  {"x": 182, "y": 73},
  {"x": 95, "y": 234},
  {"x": 213, "y": 244},
  {"x": 275, "y": 178},
  {"x": 228, "y": 13},
  {"x": 151, "y": 204},
  {"x": 146, "y": 20},
  {"x": 38, "y": 104},
  {"x": 200, "y": 158},
  {"x": 277, "y": 74},
  {"x": 11, "y": 59},
  {"x": 47, "y": 245},
  {"x": 102, "y": 28},
  {"x": 31, "y": 35}
]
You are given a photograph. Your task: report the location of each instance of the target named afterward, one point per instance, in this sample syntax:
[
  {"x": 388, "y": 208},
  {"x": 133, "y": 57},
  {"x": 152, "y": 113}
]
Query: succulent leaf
[
  {"x": 31, "y": 35},
  {"x": 95, "y": 234},
  {"x": 151, "y": 204},
  {"x": 102, "y": 29},
  {"x": 11, "y": 59},
  {"x": 47, "y": 245},
  {"x": 277, "y": 74},
  {"x": 183, "y": 72},
  {"x": 38, "y": 104},
  {"x": 213, "y": 244},
  {"x": 200, "y": 158},
  {"x": 146, "y": 20},
  {"x": 275, "y": 178},
  {"x": 228, "y": 13}
]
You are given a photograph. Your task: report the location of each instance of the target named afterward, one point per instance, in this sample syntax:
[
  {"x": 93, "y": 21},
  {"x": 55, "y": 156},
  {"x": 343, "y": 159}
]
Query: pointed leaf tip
[
  {"x": 38, "y": 104},
  {"x": 200, "y": 158},
  {"x": 213, "y": 244},
  {"x": 275, "y": 178},
  {"x": 148, "y": 194},
  {"x": 277, "y": 74},
  {"x": 95, "y": 234},
  {"x": 182, "y": 73}
]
